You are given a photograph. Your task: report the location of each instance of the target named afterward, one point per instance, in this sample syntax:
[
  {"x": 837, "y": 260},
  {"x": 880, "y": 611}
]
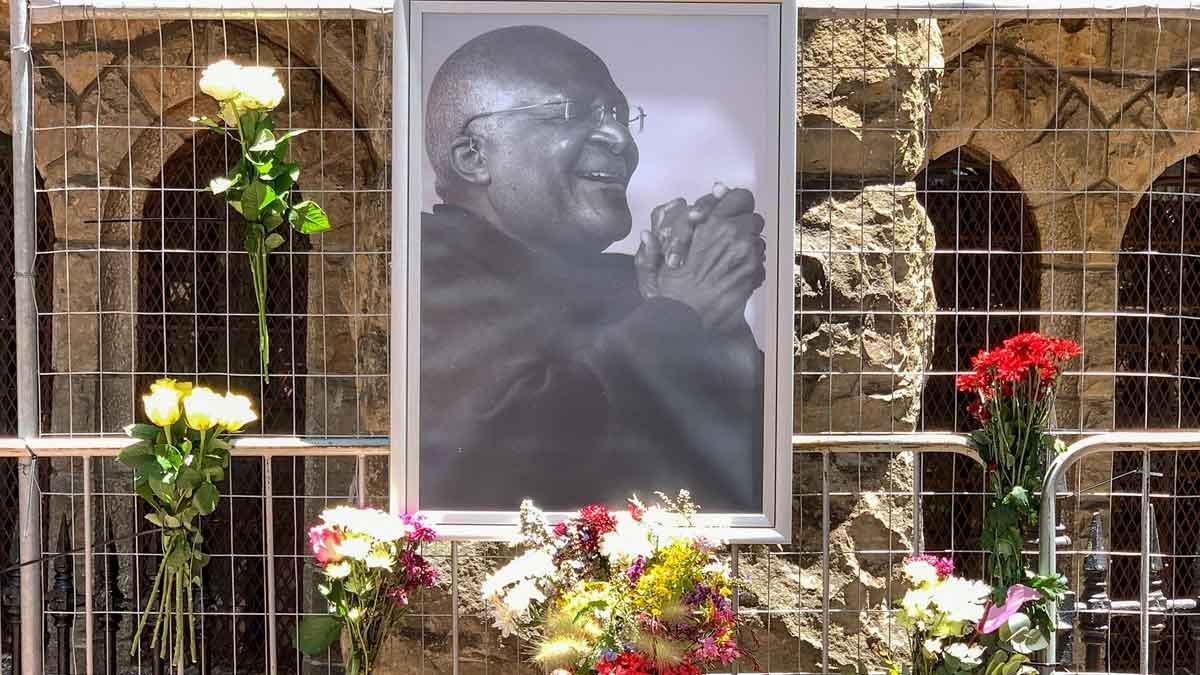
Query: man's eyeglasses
[{"x": 633, "y": 118}]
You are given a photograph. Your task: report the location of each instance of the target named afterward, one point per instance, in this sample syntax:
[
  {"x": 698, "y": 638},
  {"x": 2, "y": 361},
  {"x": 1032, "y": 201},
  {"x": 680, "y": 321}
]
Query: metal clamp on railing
[{"x": 1096, "y": 605}]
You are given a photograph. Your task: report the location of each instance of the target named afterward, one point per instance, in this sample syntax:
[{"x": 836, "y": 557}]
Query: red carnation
[{"x": 598, "y": 519}]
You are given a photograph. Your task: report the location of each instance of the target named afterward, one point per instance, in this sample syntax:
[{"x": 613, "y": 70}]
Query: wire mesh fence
[{"x": 963, "y": 175}]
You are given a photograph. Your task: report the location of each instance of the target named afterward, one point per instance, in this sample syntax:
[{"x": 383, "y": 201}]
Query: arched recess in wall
[
  {"x": 1157, "y": 387},
  {"x": 197, "y": 320},
  {"x": 44, "y": 285},
  {"x": 985, "y": 270},
  {"x": 196, "y": 300}
]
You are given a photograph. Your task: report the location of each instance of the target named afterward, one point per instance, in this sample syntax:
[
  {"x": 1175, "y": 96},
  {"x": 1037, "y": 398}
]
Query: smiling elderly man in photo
[{"x": 549, "y": 368}]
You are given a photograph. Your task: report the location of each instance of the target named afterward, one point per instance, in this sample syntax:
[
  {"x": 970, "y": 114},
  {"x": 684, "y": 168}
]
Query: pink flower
[
  {"x": 995, "y": 617},
  {"x": 324, "y": 541}
]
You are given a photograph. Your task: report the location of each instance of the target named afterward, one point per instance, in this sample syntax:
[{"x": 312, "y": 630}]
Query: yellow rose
[
  {"x": 220, "y": 80},
  {"x": 236, "y": 412},
  {"x": 202, "y": 408},
  {"x": 260, "y": 89},
  {"x": 162, "y": 405},
  {"x": 184, "y": 388}
]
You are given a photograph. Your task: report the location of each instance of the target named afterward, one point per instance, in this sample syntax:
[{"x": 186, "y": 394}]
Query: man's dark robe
[{"x": 559, "y": 382}]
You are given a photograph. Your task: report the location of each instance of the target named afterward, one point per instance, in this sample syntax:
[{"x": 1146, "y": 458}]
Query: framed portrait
[{"x": 592, "y": 217}]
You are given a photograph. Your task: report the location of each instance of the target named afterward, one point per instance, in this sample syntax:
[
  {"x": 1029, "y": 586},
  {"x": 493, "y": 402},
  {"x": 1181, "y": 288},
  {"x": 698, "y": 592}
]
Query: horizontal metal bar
[
  {"x": 100, "y": 446},
  {"x": 258, "y": 446},
  {"x": 49, "y": 11},
  {"x": 903, "y": 442}
]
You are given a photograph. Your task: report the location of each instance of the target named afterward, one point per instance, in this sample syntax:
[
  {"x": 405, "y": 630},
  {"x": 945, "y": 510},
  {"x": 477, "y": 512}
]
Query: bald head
[
  {"x": 499, "y": 70},
  {"x": 551, "y": 176}
]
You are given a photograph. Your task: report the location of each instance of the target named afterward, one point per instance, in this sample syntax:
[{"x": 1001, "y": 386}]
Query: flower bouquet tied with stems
[
  {"x": 371, "y": 566},
  {"x": 636, "y": 593},
  {"x": 1015, "y": 385},
  {"x": 260, "y": 184},
  {"x": 177, "y": 460},
  {"x": 956, "y": 627}
]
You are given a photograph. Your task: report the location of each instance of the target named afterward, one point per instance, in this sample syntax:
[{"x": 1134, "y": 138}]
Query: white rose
[
  {"x": 220, "y": 80},
  {"x": 260, "y": 89},
  {"x": 920, "y": 572}
]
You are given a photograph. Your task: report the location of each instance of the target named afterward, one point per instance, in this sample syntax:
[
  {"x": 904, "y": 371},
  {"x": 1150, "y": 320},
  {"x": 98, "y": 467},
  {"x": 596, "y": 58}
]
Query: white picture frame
[{"x": 774, "y": 322}]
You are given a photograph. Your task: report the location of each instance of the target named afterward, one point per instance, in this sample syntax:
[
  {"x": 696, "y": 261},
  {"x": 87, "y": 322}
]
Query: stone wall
[{"x": 1081, "y": 120}]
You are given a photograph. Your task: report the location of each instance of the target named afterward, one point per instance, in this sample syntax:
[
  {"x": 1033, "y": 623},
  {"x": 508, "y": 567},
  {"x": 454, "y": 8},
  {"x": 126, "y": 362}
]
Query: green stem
[
  {"x": 146, "y": 613},
  {"x": 179, "y": 618},
  {"x": 257, "y": 255}
]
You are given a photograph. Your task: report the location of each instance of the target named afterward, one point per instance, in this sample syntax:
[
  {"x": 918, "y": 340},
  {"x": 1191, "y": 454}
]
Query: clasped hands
[{"x": 710, "y": 255}]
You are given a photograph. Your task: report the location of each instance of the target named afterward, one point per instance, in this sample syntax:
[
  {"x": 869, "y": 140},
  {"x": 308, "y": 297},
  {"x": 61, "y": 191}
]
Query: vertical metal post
[
  {"x": 825, "y": 581},
  {"x": 24, "y": 248},
  {"x": 89, "y": 553},
  {"x": 30, "y": 527},
  {"x": 1144, "y": 581},
  {"x": 269, "y": 536}
]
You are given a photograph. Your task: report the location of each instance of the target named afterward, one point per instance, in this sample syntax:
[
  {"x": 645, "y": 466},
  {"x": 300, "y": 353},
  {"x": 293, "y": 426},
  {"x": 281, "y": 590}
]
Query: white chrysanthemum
[
  {"x": 379, "y": 558},
  {"x": 920, "y": 572},
  {"x": 340, "y": 516},
  {"x": 933, "y": 646},
  {"x": 519, "y": 598},
  {"x": 220, "y": 80},
  {"x": 915, "y": 605},
  {"x": 961, "y": 599},
  {"x": 629, "y": 540},
  {"x": 381, "y": 525},
  {"x": 356, "y": 548},
  {"x": 504, "y": 617},
  {"x": 338, "y": 570},
  {"x": 535, "y": 564},
  {"x": 260, "y": 89}
]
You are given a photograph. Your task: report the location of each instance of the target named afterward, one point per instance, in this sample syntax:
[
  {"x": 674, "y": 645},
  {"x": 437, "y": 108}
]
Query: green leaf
[
  {"x": 189, "y": 479},
  {"x": 220, "y": 184},
  {"x": 264, "y": 141},
  {"x": 291, "y": 134},
  {"x": 317, "y": 633},
  {"x": 162, "y": 490},
  {"x": 257, "y": 195},
  {"x": 214, "y": 474},
  {"x": 250, "y": 122},
  {"x": 146, "y": 432},
  {"x": 170, "y": 455},
  {"x": 274, "y": 241},
  {"x": 132, "y": 455},
  {"x": 205, "y": 498},
  {"x": 1018, "y": 497},
  {"x": 308, "y": 218},
  {"x": 155, "y": 518},
  {"x": 285, "y": 177}
]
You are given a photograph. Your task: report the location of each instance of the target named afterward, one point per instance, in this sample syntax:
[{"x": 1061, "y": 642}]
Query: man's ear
[{"x": 468, "y": 161}]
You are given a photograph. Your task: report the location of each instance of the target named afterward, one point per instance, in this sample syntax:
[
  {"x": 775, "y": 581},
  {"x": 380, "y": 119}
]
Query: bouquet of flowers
[
  {"x": 956, "y": 628},
  {"x": 260, "y": 184},
  {"x": 371, "y": 566},
  {"x": 177, "y": 461},
  {"x": 1015, "y": 385},
  {"x": 636, "y": 593}
]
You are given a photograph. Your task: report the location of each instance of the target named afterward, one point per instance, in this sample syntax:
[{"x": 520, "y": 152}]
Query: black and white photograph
[{"x": 599, "y": 218}]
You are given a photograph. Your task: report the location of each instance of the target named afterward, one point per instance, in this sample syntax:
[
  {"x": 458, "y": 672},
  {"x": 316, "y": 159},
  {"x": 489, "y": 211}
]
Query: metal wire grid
[
  {"x": 1071, "y": 261},
  {"x": 153, "y": 267}
]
